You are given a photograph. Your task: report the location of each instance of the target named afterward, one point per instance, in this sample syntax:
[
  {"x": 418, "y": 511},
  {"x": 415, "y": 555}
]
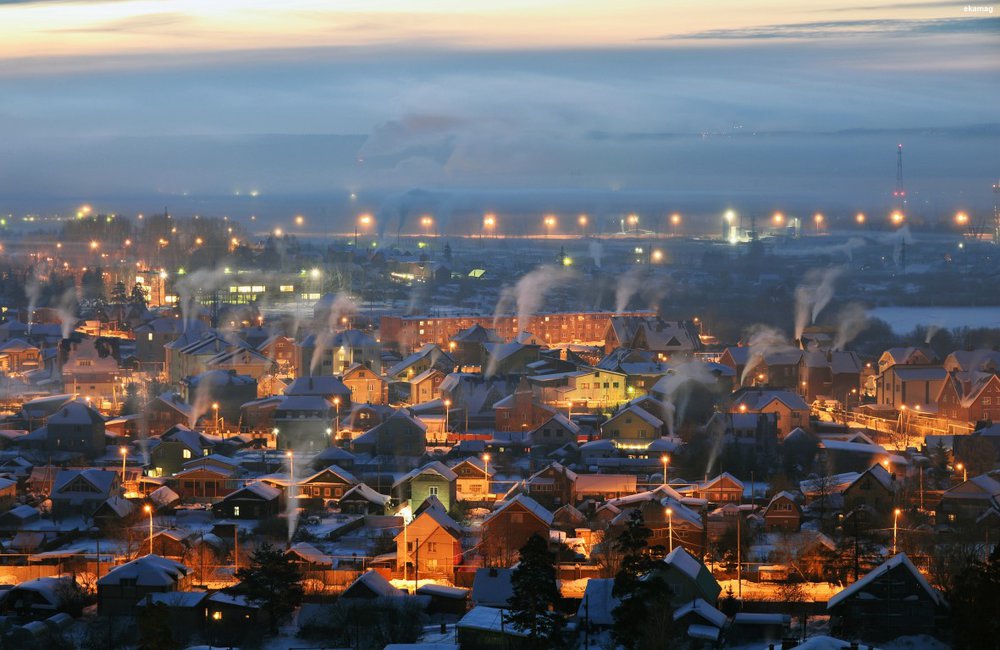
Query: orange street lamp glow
[
  {"x": 299, "y": 220},
  {"x": 778, "y": 218},
  {"x": 860, "y": 218},
  {"x": 897, "y": 217},
  {"x": 961, "y": 218},
  {"x": 675, "y": 219}
]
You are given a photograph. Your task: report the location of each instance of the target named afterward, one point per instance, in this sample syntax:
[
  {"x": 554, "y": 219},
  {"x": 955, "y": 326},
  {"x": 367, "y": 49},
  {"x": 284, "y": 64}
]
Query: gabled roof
[
  {"x": 101, "y": 479},
  {"x": 376, "y": 584},
  {"x": 639, "y": 412},
  {"x": 756, "y": 399},
  {"x": 558, "y": 467},
  {"x": 702, "y": 608},
  {"x": 877, "y": 572},
  {"x": 260, "y": 490},
  {"x": 433, "y": 467},
  {"x": 317, "y": 386},
  {"x": 880, "y": 474},
  {"x": 528, "y": 504},
  {"x": 75, "y": 413},
  {"x": 684, "y": 562},
  {"x": 340, "y": 473},
  {"x": 718, "y": 479},
  {"x": 562, "y": 421},
  {"x": 367, "y": 494}
]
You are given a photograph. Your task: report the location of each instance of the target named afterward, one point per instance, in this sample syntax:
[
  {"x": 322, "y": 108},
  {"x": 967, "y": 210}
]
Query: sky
[{"x": 519, "y": 104}]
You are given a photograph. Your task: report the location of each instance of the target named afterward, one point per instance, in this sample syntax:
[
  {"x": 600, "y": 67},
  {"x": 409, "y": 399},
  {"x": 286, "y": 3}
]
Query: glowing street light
[
  {"x": 215, "y": 408},
  {"x": 633, "y": 221},
  {"x": 964, "y": 470},
  {"x": 962, "y": 219},
  {"x": 447, "y": 408},
  {"x": 675, "y": 219},
  {"x": 860, "y": 218},
  {"x": 657, "y": 255},
  {"x": 895, "y": 525},
  {"x": 124, "y": 452},
  {"x": 818, "y": 218},
  {"x": 148, "y": 509},
  {"x": 550, "y": 223},
  {"x": 664, "y": 459},
  {"x": 363, "y": 221},
  {"x": 278, "y": 232},
  {"x": 299, "y": 220},
  {"x": 778, "y": 218},
  {"x": 291, "y": 472},
  {"x": 897, "y": 217},
  {"x": 486, "y": 472},
  {"x": 426, "y": 221},
  {"x": 729, "y": 216}
]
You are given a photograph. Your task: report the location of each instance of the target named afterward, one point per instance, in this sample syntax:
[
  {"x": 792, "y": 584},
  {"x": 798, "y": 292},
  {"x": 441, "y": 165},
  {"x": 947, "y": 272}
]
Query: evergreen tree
[
  {"x": 975, "y": 604},
  {"x": 137, "y": 298},
  {"x": 130, "y": 405},
  {"x": 118, "y": 294},
  {"x": 644, "y": 615},
  {"x": 536, "y": 595},
  {"x": 271, "y": 581}
]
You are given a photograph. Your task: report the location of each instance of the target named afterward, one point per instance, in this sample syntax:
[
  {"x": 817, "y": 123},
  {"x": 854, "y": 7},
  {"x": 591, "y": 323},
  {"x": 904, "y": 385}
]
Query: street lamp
[
  {"x": 664, "y": 459},
  {"x": 778, "y": 218},
  {"x": 675, "y": 219},
  {"x": 965, "y": 471},
  {"x": 897, "y": 217},
  {"x": 489, "y": 222},
  {"x": 582, "y": 220},
  {"x": 670, "y": 527},
  {"x": 486, "y": 459},
  {"x": 447, "y": 407},
  {"x": 124, "y": 452},
  {"x": 426, "y": 221},
  {"x": 860, "y": 218},
  {"x": 148, "y": 509},
  {"x": 550, "y": 223},
  {"x": 895, "y": 524},
  {"x": 215, "y": 408},
  {"x": 364, "y": 221},
  {"x": 633, "y": 220},
  {"x": 818, "y": 218}
]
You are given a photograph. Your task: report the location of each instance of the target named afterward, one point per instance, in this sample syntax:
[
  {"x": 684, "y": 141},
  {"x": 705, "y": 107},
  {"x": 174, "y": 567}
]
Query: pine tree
[
  {"x": 536, "y": 595},
  {"x": 271, "y": 581},
  {"x": 137, "y": 297},
  {"x": 640, "y": 591},
  {"x": 975, "y": 604}
]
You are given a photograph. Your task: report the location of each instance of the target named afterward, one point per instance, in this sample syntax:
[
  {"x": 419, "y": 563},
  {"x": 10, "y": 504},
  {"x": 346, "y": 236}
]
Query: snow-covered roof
[
  {"x": 890, "y": 564},
  {"x": 598, "y": 602},
  {"x": 147, "y": 571},
  {"x": 684, "y": 562},
  {"x": 310, "y": 554},
  {"x": 703, "y": 609},
  {"x": 433, "y": 467},
  {"x": 489, "y": 619},
  {"x": 528, "y": 504},
  {"x": 377, "y": 584}
]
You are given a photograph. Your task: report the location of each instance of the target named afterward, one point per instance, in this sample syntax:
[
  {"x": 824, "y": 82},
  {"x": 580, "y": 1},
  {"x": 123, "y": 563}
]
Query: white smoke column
[
  {"x": 66, "y": 311},
  {"x": 202, "y": 400},
  {"x": 670, "y": 415},
  {"x": 815, "y": 293},
  {"x": 628, "y": 285},
  {"x": 528, "y": 294},
  {"x": 850, "y": 245},
  {"x": 596, "y": 253},
  {"x": 188, "y": 286},
  {"x": 33, "y": 290},
  {"x": 343, "y": 306},
  {"x": 678, "y": 376},
  {"x": 931, "y": 331},
  {"x": 851, "y": 321},
  {"x": 897, "y": 240},
  {"x": 763, "y": 341}
]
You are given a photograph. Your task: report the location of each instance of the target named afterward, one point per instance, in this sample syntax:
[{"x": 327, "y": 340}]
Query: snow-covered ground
[{"x": 903, "y": 320}]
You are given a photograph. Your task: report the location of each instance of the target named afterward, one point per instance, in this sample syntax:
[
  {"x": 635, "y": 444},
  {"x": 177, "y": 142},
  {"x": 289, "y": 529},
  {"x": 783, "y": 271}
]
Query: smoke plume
[
  {"x": 764, "y": 341},
  {"x": 851, "y": 321},
  {"x": 812, "y": 296},
  {"x": 528, "y": 294}
]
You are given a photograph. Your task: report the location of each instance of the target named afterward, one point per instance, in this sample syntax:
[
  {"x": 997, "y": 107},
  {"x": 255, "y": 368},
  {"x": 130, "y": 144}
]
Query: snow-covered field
[{"x": 903, "y": 320}]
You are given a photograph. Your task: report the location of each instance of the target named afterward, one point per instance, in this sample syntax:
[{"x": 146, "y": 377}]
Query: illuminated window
[
  {"x": 286, "y": 288},
  {"x": 149, "y": 337},
  {"x": 236, "y": 511},
  {"x": 186, "y": 453}
]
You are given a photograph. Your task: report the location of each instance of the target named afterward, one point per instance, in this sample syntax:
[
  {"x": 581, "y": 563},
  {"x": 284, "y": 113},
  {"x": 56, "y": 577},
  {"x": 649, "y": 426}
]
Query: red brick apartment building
[{"x": 408, "y": 333}]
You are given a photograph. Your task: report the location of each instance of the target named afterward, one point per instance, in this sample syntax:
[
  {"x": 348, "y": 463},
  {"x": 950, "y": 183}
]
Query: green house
[{"x": 433, "y": 479}]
